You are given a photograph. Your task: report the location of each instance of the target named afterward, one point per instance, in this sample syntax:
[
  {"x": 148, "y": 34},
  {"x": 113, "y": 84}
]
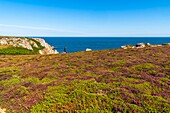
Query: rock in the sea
[{"x": 88, "y": 49}]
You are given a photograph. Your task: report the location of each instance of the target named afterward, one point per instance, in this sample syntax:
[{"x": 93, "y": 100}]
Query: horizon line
[{"x": 89, "y": 36}]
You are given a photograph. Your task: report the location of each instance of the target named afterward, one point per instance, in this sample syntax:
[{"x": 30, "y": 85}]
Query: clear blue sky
[{"x": 85, "y": 17}]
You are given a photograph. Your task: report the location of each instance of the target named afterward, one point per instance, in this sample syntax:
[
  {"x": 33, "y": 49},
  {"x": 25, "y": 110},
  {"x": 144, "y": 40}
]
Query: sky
[{"x": 110, "y": 18}]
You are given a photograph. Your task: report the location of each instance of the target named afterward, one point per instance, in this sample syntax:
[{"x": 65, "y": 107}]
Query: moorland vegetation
[{"x": 107, "y": 81}]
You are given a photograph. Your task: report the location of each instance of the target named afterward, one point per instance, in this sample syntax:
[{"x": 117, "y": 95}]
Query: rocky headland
[{"x": 31, "y": 44}]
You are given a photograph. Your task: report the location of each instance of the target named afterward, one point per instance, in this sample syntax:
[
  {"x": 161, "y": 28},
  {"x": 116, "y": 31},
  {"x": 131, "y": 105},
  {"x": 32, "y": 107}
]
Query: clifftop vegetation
[
  {"x": 132, "y": 80},
  {"x": 24, "y": 46}
]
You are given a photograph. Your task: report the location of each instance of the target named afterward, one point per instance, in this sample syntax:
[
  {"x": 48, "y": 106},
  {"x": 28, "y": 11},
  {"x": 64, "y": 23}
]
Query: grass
[
  {"x": 16, "y": 51},
  {"x": 3, "y": 47},
  {"x": 10, "y": 50},
  {"x": 108, "y": 81}
]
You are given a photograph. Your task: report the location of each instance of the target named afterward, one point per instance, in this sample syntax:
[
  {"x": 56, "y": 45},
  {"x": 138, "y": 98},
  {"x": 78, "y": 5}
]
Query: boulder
[
  {"x": 154, "y": 46},
  {"x": 140, "y": 45},
  {"x": 87, "y": 50},
  {"x": 159, "y": 45},
  {"x": 148, "y": 44},
  {"x": 124, "y": 47}
]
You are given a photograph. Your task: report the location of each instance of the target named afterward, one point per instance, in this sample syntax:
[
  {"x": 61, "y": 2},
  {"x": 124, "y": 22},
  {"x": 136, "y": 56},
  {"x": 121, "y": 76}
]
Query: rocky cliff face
[
  {"x": 29, "y": 43},
  {"x": 48, "y": 48}
]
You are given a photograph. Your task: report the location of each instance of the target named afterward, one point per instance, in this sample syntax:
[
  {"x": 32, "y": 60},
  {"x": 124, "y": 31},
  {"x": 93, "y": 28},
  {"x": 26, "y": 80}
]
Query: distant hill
[
  {"x": 24, "y": 46},
  {"x": 108, "y": 81}
]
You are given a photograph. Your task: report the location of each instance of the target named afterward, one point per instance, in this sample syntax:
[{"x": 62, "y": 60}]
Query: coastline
[{"x": 75, "y": 44}]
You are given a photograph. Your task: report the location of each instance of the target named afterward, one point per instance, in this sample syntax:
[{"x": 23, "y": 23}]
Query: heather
[{"x": 131, "y": 80}]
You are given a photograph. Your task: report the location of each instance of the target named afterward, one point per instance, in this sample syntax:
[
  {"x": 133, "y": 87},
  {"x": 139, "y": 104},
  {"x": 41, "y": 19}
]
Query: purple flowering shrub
[{"x": 132, "y": 80}]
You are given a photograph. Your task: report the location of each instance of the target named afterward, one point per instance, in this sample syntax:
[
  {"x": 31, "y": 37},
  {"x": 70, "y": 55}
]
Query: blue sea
[{"x": 75, "y": 44}]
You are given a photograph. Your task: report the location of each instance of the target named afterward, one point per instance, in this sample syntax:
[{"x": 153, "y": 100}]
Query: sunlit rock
[
  {"x": 29, "y": 43},
  {"x": 124, "y": 47},
  {"x": 88, "y": 49},
  {"x": 140, "y": 45}
]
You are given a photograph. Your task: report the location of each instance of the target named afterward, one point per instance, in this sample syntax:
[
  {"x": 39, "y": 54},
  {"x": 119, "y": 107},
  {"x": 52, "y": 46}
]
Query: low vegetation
[
  {"x": 12, "y": 50},
  {"x": 108, "y": 81}
]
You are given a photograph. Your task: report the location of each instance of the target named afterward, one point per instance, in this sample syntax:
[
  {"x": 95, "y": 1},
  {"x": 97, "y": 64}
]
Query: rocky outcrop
[
  {"x": 166, "y": 44},
  {"x": 29, "y": 43},
  {"x": 48, "y": 48},
  {"x": 142, "y": 45},
  {"x": 18, "y": 42}
]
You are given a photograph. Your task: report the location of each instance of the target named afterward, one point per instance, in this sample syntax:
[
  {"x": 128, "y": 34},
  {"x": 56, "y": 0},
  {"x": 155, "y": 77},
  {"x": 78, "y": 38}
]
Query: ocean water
[{"x": 75, "y": 44}]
